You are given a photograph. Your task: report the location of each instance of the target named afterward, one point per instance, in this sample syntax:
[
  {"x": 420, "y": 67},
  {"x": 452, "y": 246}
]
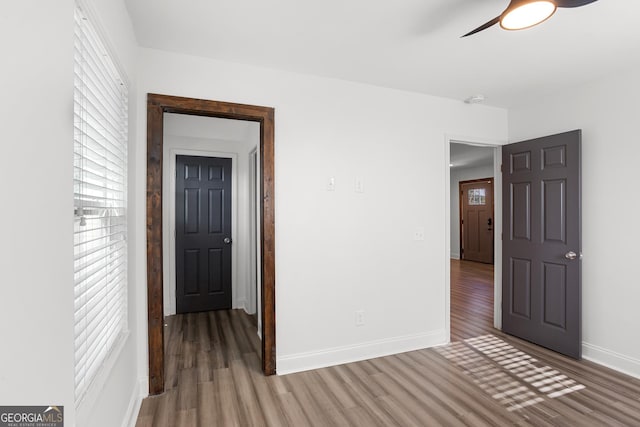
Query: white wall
[
  {"x": 36, "y": 172},
  {"x": 342, "y": 251},
  {"x": 457, "y": 175},
  {"x": 607, "y": 111},
  {"x": 36, "y": 218},
  {"x": 194, "y": 135}
]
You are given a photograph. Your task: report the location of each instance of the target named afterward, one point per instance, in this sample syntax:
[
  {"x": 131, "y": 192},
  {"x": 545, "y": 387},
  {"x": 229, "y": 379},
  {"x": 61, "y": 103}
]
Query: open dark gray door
[
  {"x": 203, "y": 234},
  {"x": 541, "y": 251}
]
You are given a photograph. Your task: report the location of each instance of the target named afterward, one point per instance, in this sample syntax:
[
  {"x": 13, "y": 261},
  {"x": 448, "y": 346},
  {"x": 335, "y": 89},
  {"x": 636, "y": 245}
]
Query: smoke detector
[{"x": 475, "y": 99}]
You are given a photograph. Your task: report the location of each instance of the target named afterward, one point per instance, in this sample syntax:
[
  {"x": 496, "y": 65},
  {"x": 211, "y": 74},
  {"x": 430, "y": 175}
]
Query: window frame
[{"x": 86, "y": 24}]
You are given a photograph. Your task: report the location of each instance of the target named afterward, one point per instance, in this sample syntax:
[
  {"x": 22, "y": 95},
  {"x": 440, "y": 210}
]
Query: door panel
[
  {"x": 477, "y": 220},
  {"x": 521, "y": 211},
  {"x": 521, "y": 296},
  {"x": 554, "y": 216},
  {"x": 541, "y": 224},
  {"x": 555, "y": 294},
  {"x": 203, "y": 221}
]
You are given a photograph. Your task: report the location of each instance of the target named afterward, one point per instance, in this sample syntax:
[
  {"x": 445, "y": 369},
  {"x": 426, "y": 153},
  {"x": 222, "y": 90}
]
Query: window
[
  {"x": 100, "y": 194},
  {"x": 477, "y": 196}
]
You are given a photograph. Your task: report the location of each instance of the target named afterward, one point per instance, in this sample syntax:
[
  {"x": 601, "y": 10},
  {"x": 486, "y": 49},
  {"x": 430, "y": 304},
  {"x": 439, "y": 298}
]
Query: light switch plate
[
  {"x": 331, "y": 184},
  {"x": 359, "y": 318},
  {"x": 418, "y": 234}
]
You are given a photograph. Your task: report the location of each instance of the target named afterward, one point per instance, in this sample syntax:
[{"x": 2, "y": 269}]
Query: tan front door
[{"x": 476, "y": 227}]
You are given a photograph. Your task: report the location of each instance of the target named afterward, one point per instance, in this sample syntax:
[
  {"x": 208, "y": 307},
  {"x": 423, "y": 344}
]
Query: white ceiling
[
  {"x": 405, "y": 44},
  {"x": 470, "y": 156}
]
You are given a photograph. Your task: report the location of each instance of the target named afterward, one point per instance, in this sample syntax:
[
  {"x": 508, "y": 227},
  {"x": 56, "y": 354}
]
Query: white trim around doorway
[{"x": 497, "y": 255}]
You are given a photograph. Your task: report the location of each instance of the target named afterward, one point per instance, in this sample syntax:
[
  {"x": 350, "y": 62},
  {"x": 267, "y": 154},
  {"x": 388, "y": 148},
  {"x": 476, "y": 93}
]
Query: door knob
[
  {"x": 227, "y": 240},
  {"x": 571, "y": 255}
]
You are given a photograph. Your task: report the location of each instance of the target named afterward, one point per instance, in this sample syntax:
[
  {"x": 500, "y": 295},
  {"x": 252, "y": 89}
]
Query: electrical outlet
[
  {"x": 360, "y": 318},
  {"x": 359, "y": 185},
  {"x": 418, "y": 234}
]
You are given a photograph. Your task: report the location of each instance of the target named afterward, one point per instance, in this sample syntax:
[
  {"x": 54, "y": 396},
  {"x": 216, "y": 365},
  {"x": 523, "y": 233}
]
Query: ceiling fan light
[{"x": 527, "y": 14}]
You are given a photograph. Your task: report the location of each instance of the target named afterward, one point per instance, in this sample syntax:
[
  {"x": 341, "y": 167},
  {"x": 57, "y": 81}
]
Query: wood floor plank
[
  {"x": 230, "y": 412},
  {"x": 311, "y": 406},
  {"x": 209, "y": 402},
  {"x": 338, "y": 418},
  {"x": 277, "y": 384},
  {"x": 404, "y": 400},
  {"x": 322, "y": 395},
  {"x": 216, "y": 357},
  {"x": 247, "y": 399},
  {"x": 448, "y": 377},
  {"x": 187, "y": 418},
  {"x": 203, "y": 366},
  {"x": 361, "y": 376},
  {"x": 147, "y": 412},
  {"x": 273, "y": 415},
  {"x": 337, "y": 388},
  {"x": 378, "y": 414},
  {"x": 292, "y": 410},
  {"x": 424, "y": 377},
  {"x": 187, "y": 389},
  {"x": 396, "y": 371},
  {"x": 403, "y": 417},
  {"x": 230, "y": 343},
  {"x": 359, "y": 417},
  {"x": 166, "y": 414}
]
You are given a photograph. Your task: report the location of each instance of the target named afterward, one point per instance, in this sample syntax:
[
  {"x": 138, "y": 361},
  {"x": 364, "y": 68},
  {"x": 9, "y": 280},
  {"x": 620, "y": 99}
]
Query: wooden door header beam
[{"x": 203, "y": 107}]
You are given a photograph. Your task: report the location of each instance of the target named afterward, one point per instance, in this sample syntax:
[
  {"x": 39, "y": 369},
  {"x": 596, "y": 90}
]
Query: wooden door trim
[
  {"x": 157, "y": 105},
  {"x": 493, "y": 209}
]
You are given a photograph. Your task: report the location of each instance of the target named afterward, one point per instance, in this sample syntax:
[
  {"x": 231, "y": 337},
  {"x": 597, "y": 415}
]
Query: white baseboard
[
  {"x": 455, "y": 256},
  {"x": 140, "y": 391},
  {"x": 354, "y": 353},
  {"x": 611, "y": 359}
]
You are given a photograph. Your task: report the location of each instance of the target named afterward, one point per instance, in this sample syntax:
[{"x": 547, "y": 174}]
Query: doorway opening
[
  {"x": 473, "y": 281},
  {"x": 209, "y": 294},
  {"x": 160, "y": 109}
]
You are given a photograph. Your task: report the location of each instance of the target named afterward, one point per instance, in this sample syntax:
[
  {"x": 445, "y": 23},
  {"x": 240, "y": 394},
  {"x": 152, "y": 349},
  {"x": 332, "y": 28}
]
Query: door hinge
[{"x": 501, "y": 168}]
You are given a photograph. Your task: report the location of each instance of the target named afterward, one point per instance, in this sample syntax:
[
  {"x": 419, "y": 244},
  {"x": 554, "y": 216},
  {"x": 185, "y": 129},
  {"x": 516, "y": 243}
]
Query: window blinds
[{"x": 100, "y": 194}]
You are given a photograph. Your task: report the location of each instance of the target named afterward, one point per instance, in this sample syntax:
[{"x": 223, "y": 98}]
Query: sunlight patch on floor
[{"x": 508, "y": 375}]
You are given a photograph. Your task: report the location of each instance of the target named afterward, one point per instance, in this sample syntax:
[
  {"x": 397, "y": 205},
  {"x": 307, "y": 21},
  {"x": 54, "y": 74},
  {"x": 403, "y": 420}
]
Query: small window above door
[{"x": 477, "y": 196}]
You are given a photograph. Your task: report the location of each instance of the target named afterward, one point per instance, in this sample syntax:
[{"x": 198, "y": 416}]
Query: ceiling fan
[{"x": 521, "y": 14}]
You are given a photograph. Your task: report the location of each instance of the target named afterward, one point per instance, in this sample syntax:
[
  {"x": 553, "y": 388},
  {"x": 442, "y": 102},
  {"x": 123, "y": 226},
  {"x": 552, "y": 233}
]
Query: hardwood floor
[
  {"x": 485, "y": 378},
  {"x": 471, "y": 299}
]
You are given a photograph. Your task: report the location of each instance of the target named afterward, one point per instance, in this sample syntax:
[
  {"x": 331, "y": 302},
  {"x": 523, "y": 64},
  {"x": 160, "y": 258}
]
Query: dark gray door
[
  {"x": 541, "y": 267},
  {"x": 203, "y": 234}
]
